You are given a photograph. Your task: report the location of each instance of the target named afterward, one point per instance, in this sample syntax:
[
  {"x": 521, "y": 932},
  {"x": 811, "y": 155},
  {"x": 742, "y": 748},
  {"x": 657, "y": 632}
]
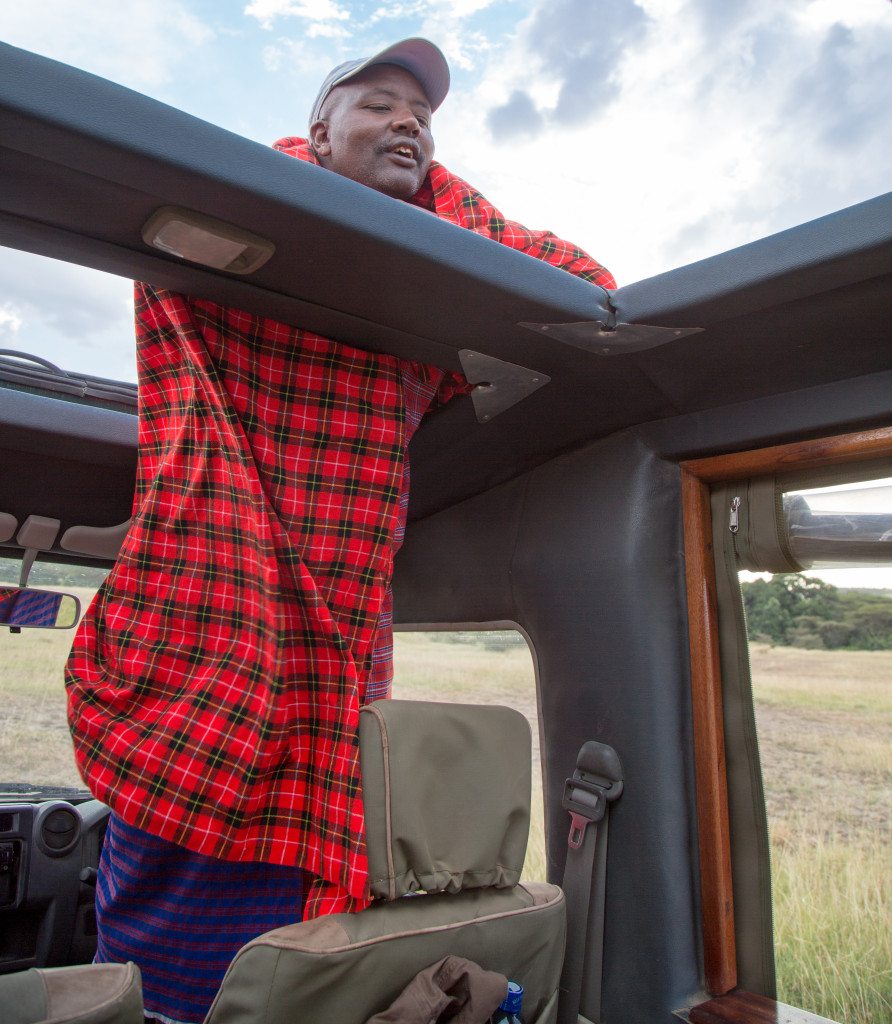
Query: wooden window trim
[
  {"x": 719, "y": 949},
  {"x": 739, "y": 1007}
]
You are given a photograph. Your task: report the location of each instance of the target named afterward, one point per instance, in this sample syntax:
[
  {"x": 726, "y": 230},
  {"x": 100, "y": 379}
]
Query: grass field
[
  {"x": 825, "y": 723},
  {"x": 825, "y": 729}
]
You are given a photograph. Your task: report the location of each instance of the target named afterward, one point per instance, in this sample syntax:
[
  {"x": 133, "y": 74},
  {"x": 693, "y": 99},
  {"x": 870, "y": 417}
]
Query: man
[{"x": 215, "y": 684}]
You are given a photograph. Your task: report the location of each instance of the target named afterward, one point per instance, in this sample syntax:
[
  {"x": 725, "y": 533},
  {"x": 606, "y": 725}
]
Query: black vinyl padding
[
  {"x": 36, "y": 424},
  {"x": 807, "y": 343},
  {"x": 861, "y": 403},
  {"x": 65, "y": 460},
  {"x": 594, "y": 574}
]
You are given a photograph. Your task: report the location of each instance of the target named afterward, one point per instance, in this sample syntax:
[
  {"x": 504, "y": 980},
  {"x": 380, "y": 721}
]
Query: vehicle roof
[{"x": 87, "y": 162}]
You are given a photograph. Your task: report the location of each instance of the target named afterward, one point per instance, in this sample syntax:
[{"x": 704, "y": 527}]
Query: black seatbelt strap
[{"x": 596, "y": 782}]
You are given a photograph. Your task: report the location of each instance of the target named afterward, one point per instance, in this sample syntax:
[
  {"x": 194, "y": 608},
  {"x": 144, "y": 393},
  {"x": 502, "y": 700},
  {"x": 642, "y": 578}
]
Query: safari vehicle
[{"x": 621, "y": 456}]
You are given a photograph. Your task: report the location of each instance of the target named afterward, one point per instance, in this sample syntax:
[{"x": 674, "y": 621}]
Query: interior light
[{"x": 200, "y": 239}]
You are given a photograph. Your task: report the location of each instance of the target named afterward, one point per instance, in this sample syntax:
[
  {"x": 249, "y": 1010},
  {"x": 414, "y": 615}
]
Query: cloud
[
  {"x": 78, "y": 318},
  {"x": 579, "y": 46},
  {"x": 695, "y": 134},
  {"x": 10, "y": 321},
  {"x": 140, "y": 43},
  {"x": 266, "y": 11},
  {"x": 459, "y": 27},
  {"x": 837, "y": 92},
  {"x": 327, "y": 30},
  {"x": 431, "y": 8},
  {"x": 583, "y": 44},
  {"x": 518, "y": 116},
  {"x": 396, "y": 10},
  {"x": 718, "y": 21},
  {"x": 300, "y": 57}
]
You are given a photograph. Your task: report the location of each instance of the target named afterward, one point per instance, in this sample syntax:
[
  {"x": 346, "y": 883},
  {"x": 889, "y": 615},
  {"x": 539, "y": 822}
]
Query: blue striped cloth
[{"x": 182, "y": 916}]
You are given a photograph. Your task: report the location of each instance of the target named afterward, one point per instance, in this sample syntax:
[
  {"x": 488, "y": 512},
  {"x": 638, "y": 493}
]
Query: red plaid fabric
[{"x": 215, "y": 682}]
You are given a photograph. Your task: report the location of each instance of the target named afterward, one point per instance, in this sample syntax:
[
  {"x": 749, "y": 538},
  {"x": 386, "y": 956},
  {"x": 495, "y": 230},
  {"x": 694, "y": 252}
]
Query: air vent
[{"x": 58, "y": 828}]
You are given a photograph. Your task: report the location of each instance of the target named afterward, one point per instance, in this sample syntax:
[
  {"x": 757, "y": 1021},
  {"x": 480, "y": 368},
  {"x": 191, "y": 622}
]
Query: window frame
[{"x": 697, "y": 475}]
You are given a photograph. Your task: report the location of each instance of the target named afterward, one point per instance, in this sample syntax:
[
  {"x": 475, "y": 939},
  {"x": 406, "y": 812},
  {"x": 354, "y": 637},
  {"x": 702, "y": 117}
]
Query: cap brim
[
  {"x": 424, "y": 61},
  {"x": 421, "y": 59}
]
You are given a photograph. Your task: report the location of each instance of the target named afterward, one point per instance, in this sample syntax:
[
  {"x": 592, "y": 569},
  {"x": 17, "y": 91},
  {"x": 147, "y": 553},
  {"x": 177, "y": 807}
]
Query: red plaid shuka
[{"x": 215, "y": 682}]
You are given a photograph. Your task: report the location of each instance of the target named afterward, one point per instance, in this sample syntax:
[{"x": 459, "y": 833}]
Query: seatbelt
[{"x": 596, "y": 782}]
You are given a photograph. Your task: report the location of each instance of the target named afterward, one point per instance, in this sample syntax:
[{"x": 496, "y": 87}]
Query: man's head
[{"x": 372, "y": 119}]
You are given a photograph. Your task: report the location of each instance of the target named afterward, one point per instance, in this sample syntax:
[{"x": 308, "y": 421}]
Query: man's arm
[
  {"x": 455, "y": 200},
  {"x": 546, "y": 246}
]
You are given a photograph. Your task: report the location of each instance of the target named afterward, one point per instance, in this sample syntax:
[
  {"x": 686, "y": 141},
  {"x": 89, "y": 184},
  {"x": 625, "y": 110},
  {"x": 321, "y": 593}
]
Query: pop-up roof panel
[{"x": 88, "y": 165}]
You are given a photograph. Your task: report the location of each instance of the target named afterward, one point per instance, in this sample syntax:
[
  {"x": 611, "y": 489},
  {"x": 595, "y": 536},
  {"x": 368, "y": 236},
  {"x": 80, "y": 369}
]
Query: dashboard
[{"x": 50, "y": 842}]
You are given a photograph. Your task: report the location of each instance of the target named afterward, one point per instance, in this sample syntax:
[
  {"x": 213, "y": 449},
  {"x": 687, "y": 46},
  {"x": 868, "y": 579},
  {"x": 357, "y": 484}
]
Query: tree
[
  {"x": 803, "y": 595},
  {"x": 836, "y": 634},
  {"x": 766, "y": 617},
  {"x": 872, "y": 626},
  {"x": 794, "y": 609}
]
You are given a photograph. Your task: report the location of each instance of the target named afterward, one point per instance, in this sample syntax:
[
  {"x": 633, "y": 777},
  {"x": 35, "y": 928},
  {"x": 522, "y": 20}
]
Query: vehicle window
[
  {"x": 477, "y": 667},
  {"x": 821, "y": 667},
  {"x": 35, "y": 745}
]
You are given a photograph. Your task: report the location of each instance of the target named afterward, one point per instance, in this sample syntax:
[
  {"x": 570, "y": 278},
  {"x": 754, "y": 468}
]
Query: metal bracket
[
  {"x": 498, "y": 385},
  {"x": 605, "y": 340}
]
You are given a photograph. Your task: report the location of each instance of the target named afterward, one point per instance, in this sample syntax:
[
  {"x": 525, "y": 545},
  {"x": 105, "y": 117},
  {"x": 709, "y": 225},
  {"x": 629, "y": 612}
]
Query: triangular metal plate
[
  {"x": 604, "y": 340},
  {"x": 499, "y": 385}
]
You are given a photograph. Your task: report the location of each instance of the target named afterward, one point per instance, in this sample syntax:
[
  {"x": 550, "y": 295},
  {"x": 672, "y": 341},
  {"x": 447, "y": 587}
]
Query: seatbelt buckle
[
  {"x": 597, "y": 780},
  {"x": 586, "y": 803}
]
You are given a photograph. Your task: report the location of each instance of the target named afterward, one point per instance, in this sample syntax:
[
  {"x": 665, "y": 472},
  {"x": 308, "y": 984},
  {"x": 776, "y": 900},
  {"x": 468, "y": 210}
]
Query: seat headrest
[{"x": 446, "y": 790}]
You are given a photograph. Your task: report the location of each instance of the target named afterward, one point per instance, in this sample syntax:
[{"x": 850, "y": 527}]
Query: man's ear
[{"x": 319, "y": 138}]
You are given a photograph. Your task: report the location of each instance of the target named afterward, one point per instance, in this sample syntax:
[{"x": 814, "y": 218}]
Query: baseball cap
[{"x": 419, "y": 57}]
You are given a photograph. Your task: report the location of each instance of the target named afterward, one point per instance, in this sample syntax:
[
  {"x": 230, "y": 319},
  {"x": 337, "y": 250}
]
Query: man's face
[{"x": 376, "y": 129}]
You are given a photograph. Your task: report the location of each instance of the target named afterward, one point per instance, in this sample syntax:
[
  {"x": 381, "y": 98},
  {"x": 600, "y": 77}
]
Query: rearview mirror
[{"x": 40, "y": 609}]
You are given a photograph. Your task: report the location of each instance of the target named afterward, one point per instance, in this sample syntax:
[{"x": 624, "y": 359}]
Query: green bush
[{"x": 836, "y": 634}]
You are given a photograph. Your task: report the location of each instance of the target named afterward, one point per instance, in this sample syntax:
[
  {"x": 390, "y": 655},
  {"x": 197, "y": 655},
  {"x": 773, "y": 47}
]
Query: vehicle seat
[
  {"x": 447, "y": 805},
  {"x": 86, "y": 994}
]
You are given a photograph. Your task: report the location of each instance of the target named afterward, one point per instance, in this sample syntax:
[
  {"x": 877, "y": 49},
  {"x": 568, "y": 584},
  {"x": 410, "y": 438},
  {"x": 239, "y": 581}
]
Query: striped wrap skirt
[{"x": 182, "y": 916}]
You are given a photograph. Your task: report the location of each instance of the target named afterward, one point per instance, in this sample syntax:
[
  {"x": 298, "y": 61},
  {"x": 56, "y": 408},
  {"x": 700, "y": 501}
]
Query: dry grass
[
  {"x": 827, "y": 766},
  {"x": 35, "y": 746},
  {"x": 849, "y": 681},
  {"x": 429, "y": 669},
  {"x": 832, "y": 929},
  {"x": 825, "y": 732}
]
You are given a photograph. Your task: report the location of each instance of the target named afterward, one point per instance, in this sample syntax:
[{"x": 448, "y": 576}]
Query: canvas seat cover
[
  {"x": 446, "y": 796},
  {"x": 88, "y": 994}
]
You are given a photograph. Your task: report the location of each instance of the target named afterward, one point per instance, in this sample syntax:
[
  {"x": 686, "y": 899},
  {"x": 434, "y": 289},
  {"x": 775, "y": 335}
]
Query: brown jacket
[{"x": 453, "y": 989}]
